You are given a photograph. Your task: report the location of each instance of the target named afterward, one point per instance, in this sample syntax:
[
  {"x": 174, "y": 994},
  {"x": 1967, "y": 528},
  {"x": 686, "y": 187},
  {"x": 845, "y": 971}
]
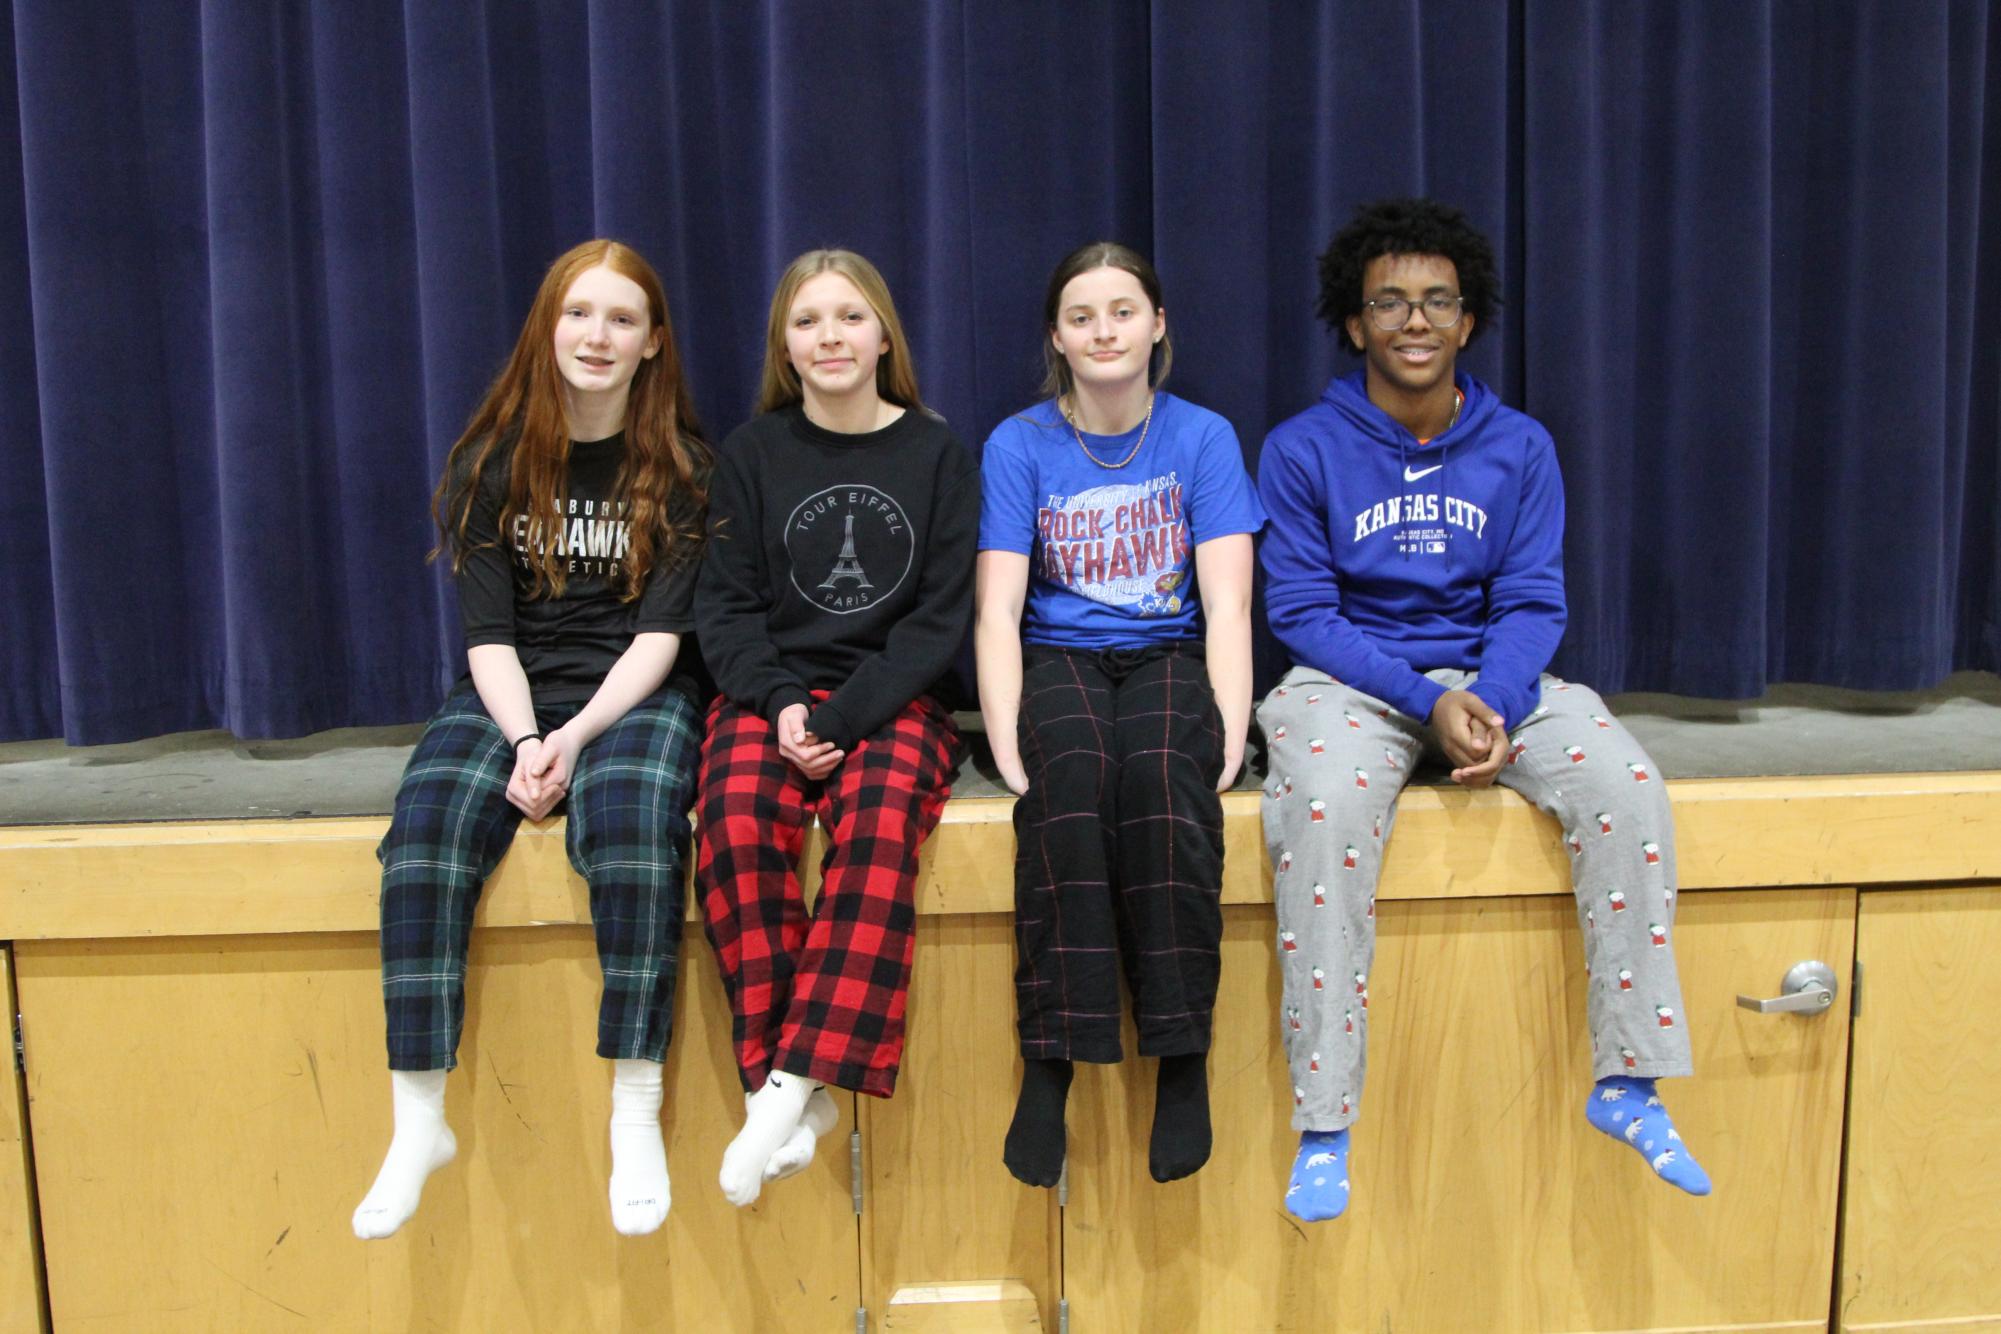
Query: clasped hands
[
  {"x": 543, "y": 767},
  {"x": 805, "y": 752},
  {"x": 1475, "y": 737}
]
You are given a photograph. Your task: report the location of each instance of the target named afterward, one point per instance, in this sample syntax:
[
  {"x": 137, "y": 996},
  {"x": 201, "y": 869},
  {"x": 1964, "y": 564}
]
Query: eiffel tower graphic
[{"x": 847, "y": 565}]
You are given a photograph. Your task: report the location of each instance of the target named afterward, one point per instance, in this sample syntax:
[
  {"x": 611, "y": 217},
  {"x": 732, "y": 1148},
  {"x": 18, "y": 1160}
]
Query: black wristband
[{"x": 526, "y": 736}]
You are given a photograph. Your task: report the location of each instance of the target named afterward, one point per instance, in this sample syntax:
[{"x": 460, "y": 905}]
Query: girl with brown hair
[{"x": 1114, "y": 647}]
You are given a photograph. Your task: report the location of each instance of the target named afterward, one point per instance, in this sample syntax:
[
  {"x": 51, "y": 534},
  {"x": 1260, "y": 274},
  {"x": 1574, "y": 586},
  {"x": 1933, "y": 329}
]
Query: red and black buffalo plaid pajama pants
[
  {"x": 823, "y": 996},
  {"x": 1118, "y": 851}
]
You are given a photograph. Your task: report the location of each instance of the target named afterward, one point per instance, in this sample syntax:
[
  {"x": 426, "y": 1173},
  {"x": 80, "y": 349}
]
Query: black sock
[
  {"x": 1034, "y": 1149},
  {"x": 1180, "y": 1117}
]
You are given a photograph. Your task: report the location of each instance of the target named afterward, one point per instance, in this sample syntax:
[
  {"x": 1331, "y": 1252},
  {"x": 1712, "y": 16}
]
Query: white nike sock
[
  {"x": 795, "y": 1155},
  {"x": 422, "y": 1143},
  {"x": 772, "y": 1114},
  {"x": 639, "y": 1194}
]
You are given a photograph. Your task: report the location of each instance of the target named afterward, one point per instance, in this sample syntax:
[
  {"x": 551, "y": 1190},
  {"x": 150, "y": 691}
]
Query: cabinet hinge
[
  {"x": 20, "y": 1047},
  {"x": 861, "y": 1320},
  {"x": 855, "y": 1180},
  {"x": 1855, "y": 991},
  {"x": 1063, "y": 1316}
]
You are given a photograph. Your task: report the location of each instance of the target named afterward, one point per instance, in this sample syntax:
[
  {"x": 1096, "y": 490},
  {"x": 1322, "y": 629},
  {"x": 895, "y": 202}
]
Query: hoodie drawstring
[
  {"x": 1444, "y": 469},
  {"x": 1403, "y": 460}
]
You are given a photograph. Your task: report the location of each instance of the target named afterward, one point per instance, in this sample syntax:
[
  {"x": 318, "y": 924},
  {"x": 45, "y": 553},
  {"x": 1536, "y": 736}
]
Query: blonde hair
[{"x": 895, "y": 373}]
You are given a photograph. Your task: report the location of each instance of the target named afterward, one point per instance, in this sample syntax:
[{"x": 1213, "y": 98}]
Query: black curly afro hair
[{"x": 1406, "y": 227}]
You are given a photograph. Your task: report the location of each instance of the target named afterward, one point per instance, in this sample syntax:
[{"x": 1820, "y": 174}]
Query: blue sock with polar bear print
[
  {"x": 1628, "y": 1109},
  {"x": 1318, "y": 1190}
]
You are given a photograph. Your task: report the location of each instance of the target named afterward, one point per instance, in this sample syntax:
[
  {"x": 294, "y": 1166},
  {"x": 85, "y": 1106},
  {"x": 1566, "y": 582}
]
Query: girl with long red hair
[{"x": 572, "y": 512}]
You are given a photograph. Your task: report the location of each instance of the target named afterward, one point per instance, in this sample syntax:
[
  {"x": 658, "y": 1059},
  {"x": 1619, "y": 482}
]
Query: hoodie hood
[{"x": 1348, "y": 395}]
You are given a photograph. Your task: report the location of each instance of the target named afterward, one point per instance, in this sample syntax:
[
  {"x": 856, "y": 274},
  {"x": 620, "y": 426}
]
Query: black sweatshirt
[
  {"x": 567, "y": 644},
  {"x": 837, "y": 562}
]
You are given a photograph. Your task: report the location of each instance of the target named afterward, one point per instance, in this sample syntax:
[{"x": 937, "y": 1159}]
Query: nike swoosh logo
[{"x": 1410, "y": 475}]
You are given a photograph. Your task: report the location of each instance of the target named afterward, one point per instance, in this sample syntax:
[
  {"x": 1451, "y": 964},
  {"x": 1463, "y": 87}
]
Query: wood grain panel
[
  {"x": 207, "y": 1113},
  {"x": 1006, "y": 1307},
  {"x": 20, "y": 1248},
  {"x": 941, "y": 1207},
  {"x": 247, "y": 877},
  {"x": 1483, "y": 1199},
  {"x": 1922, "y": 1227}
]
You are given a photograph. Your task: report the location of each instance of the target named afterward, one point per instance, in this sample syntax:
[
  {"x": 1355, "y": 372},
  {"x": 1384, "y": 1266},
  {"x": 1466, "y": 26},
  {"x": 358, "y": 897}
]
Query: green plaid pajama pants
[{"x": 628, "y": 838}]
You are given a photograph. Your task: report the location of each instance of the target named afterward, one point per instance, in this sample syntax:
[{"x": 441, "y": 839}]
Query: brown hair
[
  {"x": 1056, "y": 379},
  {"x": 895, "y": 372},
  {"x": 666, "y": 459}
]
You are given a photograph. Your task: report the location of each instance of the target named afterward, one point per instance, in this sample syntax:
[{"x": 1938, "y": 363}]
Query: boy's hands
[{"x": 1475, "y": 738}]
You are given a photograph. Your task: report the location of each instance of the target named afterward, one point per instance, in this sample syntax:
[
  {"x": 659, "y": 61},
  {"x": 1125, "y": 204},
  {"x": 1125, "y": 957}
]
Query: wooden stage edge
[{"x": 257, "y": 877}]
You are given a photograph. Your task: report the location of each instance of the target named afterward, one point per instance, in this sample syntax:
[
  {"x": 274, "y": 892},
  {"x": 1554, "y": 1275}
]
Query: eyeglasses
[{"x": 1391, "y": 313}]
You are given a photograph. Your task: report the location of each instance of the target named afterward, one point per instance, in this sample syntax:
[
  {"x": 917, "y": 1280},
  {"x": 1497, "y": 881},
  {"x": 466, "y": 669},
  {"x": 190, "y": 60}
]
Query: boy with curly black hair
[{"x": 1414, "y": 572}]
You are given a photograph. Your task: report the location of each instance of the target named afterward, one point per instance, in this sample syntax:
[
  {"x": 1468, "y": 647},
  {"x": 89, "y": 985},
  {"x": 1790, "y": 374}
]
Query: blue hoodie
[{"x": 1385, "y": 558}]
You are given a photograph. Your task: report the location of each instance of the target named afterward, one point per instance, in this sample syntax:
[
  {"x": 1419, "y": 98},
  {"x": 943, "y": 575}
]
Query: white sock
[
  {"x": 421, "y": 1144},
  {"x": 639, "y": 1194},
  {"x": 771, "y": 1115},
  {"x": 796, "y": 1153}
]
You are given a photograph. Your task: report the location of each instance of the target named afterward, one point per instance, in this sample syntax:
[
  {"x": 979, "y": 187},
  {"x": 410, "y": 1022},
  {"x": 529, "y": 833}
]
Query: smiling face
[
  {"x": 833, "y": 338},
  {"x": 1417, "y": 357},
  {"x": 604, "y": 330},
  {"x": 1106, "y": 328}
]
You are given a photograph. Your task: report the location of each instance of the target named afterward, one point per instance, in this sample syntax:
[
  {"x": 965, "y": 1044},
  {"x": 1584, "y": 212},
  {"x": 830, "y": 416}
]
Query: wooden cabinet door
[
  {"x": 20, "y": 1258},
  {"x": 207, "y": 1113},
  {"x": 1921, "y": 1227},
  {"x": 940, "y": 1207},
  {"x": 1483, "y": 1200}
]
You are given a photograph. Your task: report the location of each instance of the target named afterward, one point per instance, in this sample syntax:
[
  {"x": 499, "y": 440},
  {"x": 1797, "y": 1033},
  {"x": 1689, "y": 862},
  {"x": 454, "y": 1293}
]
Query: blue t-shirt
[{"x": 1111, "y": 551}]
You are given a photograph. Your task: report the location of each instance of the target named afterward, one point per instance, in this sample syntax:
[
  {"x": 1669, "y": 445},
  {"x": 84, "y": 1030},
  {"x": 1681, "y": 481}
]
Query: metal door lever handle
[
  {"x": 1810, "y": 1001},
  {"x": 1809, "y": 988}
]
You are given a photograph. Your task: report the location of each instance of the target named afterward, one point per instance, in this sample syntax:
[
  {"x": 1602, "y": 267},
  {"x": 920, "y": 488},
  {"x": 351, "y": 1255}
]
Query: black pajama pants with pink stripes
[{"x": 1118, "y": 851}]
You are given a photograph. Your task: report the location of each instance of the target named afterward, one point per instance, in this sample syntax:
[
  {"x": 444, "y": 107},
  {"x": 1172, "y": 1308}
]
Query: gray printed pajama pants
[{"x": 1339, "y": 760}]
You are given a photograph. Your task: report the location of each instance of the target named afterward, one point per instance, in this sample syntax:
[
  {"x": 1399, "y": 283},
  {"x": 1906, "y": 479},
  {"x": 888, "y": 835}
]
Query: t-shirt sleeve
[
  {"x": 1224, "y": 502},
  {"x": 485, "y": 580},
  {"x": 1007, "y": 492},
  {"x": 667, "y": 603}
]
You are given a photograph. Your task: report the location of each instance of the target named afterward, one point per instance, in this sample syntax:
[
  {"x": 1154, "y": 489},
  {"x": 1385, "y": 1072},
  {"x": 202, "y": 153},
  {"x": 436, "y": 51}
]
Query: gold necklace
[
  {"x": 1458, "y": 406},
  {"x": 1145, "y": 426}
]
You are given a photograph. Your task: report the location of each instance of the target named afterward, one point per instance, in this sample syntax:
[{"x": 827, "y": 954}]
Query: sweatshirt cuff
[
  {"x": 1420, "y": 698},
  {"x": 783, "y": 698},
  {"x": 827, "y": 723},
  {"x": 1511, "y": 702}
]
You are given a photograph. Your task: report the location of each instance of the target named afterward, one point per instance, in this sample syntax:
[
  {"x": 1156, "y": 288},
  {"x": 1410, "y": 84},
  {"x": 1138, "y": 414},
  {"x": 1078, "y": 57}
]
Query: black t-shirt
[
  {"x": 566, "y": 644},
  {"x": 838, "y": 562}
]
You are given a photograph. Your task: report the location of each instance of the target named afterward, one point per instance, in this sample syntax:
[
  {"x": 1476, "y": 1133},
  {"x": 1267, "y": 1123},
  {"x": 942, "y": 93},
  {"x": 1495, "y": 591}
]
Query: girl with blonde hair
[{"x": 834, "y": 596}]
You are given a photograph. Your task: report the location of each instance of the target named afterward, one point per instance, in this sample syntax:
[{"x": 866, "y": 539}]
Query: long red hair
[{"x": 666, "y": 459}]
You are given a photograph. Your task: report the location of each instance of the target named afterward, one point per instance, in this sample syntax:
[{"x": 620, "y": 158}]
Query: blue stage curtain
[{"x": 257, "y": 263}]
